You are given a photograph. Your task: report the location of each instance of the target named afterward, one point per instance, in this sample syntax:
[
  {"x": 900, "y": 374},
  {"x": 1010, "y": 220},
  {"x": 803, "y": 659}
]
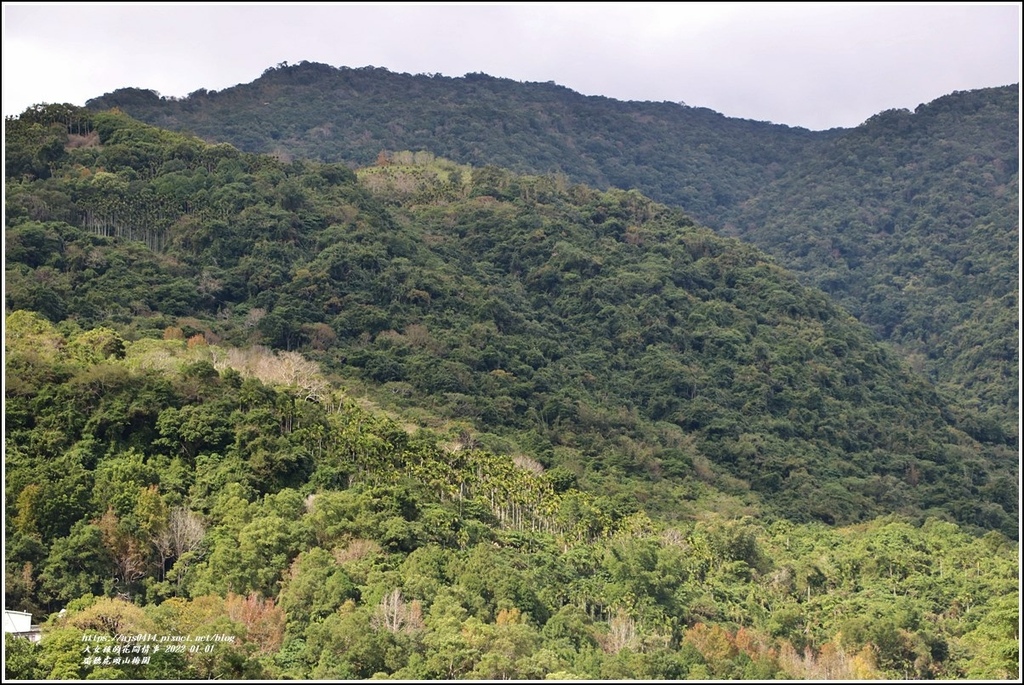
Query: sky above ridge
[{"x": 816, "y": 65}]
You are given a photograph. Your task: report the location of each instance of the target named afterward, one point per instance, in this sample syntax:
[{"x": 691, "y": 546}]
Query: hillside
[
  {"x": 688, "y": 156},
  {"x": 597, "y": 331},
  {"x": 604, "y": 443},
  {"x": 172, "y": 487},
  {"x": 911, "y": 222},
  {"x": 859, "y": 213}
]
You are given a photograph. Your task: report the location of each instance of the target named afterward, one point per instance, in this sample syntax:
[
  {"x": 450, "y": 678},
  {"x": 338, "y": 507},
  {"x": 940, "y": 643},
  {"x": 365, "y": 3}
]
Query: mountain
[
  {"x": 430, "y": 421},
  {"x": 597, "y": 331},
  {"x": 691, "y": 157},
  {"x": 911, "y": 222},
  {"x": 860, "y": 213}
]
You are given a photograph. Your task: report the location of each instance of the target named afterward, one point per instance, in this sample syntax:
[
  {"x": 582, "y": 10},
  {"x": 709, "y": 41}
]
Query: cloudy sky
[{"x": 812, "y": 65}]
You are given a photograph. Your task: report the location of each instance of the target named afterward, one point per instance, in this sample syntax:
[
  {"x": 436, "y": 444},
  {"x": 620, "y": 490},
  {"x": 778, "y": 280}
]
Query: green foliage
[
  {"x": 908, "y": 221},
  {"x": 315, "y": 587},
  {"x": 21, "y": 659},
  {"x": 546, "y": 315},
  {"x": 76, "y": 565},
  {"x": 636, "y": 433},
  {"x": 670, "y": 151}
]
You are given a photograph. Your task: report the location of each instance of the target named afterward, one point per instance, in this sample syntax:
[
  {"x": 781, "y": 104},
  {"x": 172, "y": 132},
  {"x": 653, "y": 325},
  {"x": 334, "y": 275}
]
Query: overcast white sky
[{"x": 812, "y": 65}]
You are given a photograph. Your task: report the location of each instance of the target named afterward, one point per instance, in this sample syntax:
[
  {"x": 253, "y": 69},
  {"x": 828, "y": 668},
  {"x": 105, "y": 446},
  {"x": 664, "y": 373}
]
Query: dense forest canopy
[
  {"x": 429, "y": 420},
  {"x": 688, "y": 156},
  {"x": 909, "y": 221}
]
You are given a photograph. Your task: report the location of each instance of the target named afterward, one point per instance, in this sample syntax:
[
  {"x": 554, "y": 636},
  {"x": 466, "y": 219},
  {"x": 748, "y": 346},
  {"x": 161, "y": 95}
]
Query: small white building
[{"x": 19, "y": 623}]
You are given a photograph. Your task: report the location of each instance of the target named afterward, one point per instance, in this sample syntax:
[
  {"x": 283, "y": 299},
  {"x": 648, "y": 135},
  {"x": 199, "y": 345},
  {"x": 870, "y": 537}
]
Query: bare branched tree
[
  {"x": 622, "y": 633},
  {"x": 394, "y": 614},
  {"x": 182, "y": 534}
]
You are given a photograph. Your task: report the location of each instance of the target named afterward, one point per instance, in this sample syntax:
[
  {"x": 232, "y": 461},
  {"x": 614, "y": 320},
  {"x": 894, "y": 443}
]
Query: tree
[
  {"x": 193, "y": 428},
  {"x": 394, "y": 614},
  {"x": 77, "y": 565},
  {"x": 111, "y": 617},
  {"x": 127, "y": 551},
  {"x": 997, "y": 640},
  {"x": 314, "y": 587},
  {"x": 21, "y": 659},
  {"x": 264, "y": 621},
  {"x": 182, "y": 534}
]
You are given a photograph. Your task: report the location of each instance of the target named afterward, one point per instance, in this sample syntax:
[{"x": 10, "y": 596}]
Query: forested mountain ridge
[
  {"x": 589, "y": 342},
  {"x": 212, "y": 491},
  {"x": 688, "y": 156},
  {"x": 909, "y": 221},
  {"x": 600, "y": 331}
]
